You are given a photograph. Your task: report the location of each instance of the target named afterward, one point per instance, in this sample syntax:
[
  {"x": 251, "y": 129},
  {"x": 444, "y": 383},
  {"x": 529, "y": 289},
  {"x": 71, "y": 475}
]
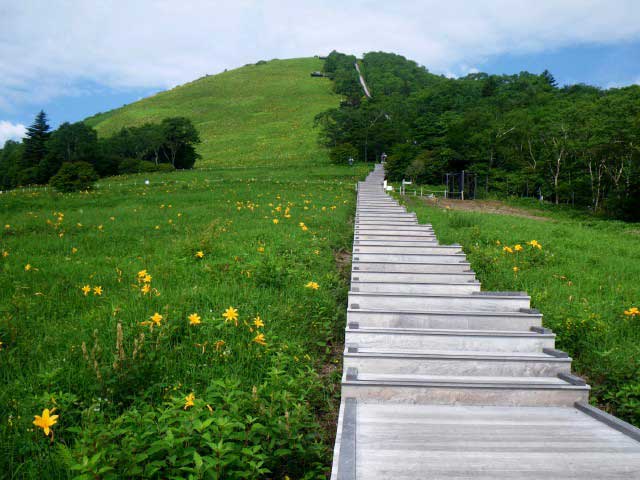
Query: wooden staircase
[{"x": 443, "y": 380}]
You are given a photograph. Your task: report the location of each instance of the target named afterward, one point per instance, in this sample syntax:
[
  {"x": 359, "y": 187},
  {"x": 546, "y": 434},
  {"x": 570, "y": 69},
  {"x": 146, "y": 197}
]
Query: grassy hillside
[
  {"x": 149, "y": 379},
  {"x": 583, "y": 279},
  {"x": 259, "y": 115}
]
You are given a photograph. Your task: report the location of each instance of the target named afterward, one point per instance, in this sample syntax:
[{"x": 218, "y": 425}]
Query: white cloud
[
  {"x": 161, "y": 43},
  {"x": 11, "y": 131}
]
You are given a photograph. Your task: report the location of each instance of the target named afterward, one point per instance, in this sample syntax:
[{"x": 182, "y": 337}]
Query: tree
[
  {"x": 400, "y": 159},
  {"x": 10, "y": 158},
  {"x": 179, "y": 134},
  {"x": 151, "y": 140},
  {"x": 71, "y": 142},
  {"x": 549, "y": 79},
  {"x": 35, "y": 148}
]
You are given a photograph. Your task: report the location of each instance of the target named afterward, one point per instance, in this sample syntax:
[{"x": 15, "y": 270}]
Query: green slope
[{"x": 257, "y": 115}]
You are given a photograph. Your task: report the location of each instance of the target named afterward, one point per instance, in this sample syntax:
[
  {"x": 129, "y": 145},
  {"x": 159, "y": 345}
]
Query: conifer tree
[
  {"x": 549, "y": 78},
  {"x": 35, "y": 141}
]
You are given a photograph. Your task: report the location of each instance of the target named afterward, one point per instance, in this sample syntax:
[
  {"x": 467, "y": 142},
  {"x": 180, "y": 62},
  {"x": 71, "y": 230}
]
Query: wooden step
[{"x": 413, "y": 339}]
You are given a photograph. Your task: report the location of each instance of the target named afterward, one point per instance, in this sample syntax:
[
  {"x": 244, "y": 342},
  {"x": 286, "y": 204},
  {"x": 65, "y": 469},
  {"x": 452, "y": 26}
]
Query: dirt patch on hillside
[
  {"x": 343, "y": 261},
  {"x": 484, "y": 206}
]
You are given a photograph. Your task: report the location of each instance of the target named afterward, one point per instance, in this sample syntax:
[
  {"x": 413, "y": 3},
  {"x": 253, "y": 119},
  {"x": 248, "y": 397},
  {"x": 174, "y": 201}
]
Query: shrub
[
  {"x": 129, "y": 165},
  {"x": 226, "y": 433},
  {"x": 146, "y": 166},
  {"x": 165, "y": 168},
  {"x": 626, "y": 402},
  {"x": 340, "y": 154},
  {"x": 73, "y": 177}
]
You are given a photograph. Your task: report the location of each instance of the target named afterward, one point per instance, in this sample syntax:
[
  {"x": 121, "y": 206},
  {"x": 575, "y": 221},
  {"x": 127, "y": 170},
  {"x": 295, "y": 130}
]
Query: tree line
[
  {"x": 72, "y": 156},
  {"x": 527, "y": 136}
]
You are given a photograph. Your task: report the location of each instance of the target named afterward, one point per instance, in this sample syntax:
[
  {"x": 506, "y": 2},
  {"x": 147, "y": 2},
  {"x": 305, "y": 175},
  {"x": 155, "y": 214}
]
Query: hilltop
[{"x": 256, "y": 115}]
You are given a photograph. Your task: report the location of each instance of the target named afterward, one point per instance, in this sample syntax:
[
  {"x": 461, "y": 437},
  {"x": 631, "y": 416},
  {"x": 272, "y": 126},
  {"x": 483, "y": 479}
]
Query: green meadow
[
  {"x": 583, "y": 278},
  {"x": 188, "y": 327}
]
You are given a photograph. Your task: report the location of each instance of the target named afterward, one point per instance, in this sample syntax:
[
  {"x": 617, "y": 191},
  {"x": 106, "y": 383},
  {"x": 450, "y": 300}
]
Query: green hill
[{"x": 259, "y": 115}]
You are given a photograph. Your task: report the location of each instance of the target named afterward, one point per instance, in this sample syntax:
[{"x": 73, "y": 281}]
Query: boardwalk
[{"x": 443, "y": 380}]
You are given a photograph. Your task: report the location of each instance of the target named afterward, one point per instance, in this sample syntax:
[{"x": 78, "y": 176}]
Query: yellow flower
[
  {"x": 79, "y": 225},
  {"x": 231, "y": 314},
  {"x": 498, "y": 242},
  {"x": 258, "y": 322},
  {"x": 305, "y": 228},
  {"x": 27, "y": 267},
  {"x": 259, "y": 339},
  {"x": 275, "y": 221},
  {"x": 46, "y": 421},
  {"x": 188, "y": 400},
  {"x": 515, "y": 269},
  {"x": 507, "y": 249},
  {"x": 194, "y": 319},
  {"x": 146, "y": 288},
  {"x": 301, "y": 224},
  {"x": 156, "y": 318},
  {"x": 74, "y": 250},
  {"x": 632, "y": 312},
  {"x": 7, "y": 226},
  {"x": 199, "y": 254},
  {"x": 86, "y": 289},
  {"x": 261, "y": 249},
  {"x": 147, "y": 278},
  {"x": 142, "y": 274},
  {"x": 97, "y": 290},
  {"x": 517, "y": 247},
  {"x": 312, "y": 285},
  {"x": 100, "y": 227},
  {"x": 535, "y": 244},
  {"x": 5, "y": 254}
]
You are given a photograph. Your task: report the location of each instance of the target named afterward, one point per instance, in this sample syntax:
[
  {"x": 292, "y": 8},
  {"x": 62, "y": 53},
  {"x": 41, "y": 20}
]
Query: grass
[
  {"x": 258, "y": 115},
  {"x": 583, "y": 279},
  {"x": 118, "y": 383}
]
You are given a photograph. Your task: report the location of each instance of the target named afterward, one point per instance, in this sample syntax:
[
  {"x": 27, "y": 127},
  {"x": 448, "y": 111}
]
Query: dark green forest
[
  {"x": 72, "y": 157},
  {"x": 522, "y": 135}
]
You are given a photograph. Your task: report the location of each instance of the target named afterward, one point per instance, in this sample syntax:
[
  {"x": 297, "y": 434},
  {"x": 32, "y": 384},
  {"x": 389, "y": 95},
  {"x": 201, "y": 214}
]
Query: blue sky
[
  {"x": 89, "y": 57},
  {"x": 606, "y": 66}
]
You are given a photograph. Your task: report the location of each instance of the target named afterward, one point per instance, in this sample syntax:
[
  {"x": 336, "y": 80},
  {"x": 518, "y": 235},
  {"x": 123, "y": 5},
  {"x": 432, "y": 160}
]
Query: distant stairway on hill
[{"x": 443, "y": 380}]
